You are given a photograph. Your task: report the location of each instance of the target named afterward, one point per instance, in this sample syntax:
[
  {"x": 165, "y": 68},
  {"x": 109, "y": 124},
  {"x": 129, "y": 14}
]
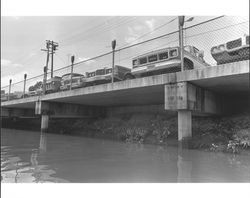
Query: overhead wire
[
  {"x": 150, "y": 32},
  {"x": 89, "y": 35},
  {"x": 123, "y": 48}
]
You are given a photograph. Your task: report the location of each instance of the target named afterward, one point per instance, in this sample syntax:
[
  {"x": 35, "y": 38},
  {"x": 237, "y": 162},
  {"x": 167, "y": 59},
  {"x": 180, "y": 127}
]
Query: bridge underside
[{"x": 212, "y": 90}]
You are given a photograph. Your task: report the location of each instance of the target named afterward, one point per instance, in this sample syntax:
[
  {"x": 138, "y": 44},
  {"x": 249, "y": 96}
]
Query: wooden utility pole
[
  {"x": 52, "y": 58},
  {"x": 53, "y": 46},
  {"x": 50, "y": 49},
  {"x": 45, "y": 69}
]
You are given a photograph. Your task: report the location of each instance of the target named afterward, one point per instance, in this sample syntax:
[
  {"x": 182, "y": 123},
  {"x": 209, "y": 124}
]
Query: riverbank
[
  {"x": 224, "y": 134},
  {"x": 217, "y": 134}
]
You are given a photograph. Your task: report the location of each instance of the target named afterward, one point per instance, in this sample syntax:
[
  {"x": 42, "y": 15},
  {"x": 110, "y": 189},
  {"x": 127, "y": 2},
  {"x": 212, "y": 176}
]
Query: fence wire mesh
[{"x": 207, "y": 42}]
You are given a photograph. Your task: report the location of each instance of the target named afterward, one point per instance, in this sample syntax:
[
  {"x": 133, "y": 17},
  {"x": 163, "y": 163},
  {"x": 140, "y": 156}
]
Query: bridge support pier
[
  {"x": 187, "y": 99},
  {"x": 44, "y": 123},
  {"x": 184, "y": 124}
]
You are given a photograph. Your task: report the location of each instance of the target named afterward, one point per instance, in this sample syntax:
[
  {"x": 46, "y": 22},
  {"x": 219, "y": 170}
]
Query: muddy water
[{"x": 28, "y": 156}]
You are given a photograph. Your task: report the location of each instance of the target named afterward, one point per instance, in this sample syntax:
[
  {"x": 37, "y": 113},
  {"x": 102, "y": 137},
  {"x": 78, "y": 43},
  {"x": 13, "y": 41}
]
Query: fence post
[
  {"x": 181, "y": 24},
  {"x": 44, "y": 79},
  {"x": 9, "y": 89},
  {"x": 72, "y": 64},
  {"x": 24, "y": 85},
  {"x": 113, "y": 59}
]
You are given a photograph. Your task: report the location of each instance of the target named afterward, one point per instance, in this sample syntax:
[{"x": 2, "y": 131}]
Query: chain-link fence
[
  {"x": 223, "y": 40},
  {"x": 208, "y": 41}
]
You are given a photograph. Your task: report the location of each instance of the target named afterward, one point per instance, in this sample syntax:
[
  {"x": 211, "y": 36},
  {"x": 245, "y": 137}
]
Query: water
[{"x": 28, "y": 156}]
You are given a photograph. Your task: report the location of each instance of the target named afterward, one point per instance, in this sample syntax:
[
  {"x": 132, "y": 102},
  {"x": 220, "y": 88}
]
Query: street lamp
[
  {"x": 113, "y": 58},
  {"x": 72, "y": 63}
]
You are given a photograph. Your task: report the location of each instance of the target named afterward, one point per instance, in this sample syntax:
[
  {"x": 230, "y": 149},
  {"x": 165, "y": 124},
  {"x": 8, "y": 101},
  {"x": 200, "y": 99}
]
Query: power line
[
  {"x": 61, "y": 59},
  {"x": 157, "y": 28},
  {"x": 105, "y": 28},
  {"x": 202, "y": 33},
  {"x": 105, "y": 54},
  {"x": 164, "y": 35},
  {"x": 96, "y": 27},
  {"x": 146, "y": 41}
]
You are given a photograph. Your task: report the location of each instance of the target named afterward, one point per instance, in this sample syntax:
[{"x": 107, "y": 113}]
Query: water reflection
[
  {"x": 43, "y": 142},
  {"x": 40, "y": 157},
  {"x": 184, "y": 164},
  {"x": 15, "y": 168}
]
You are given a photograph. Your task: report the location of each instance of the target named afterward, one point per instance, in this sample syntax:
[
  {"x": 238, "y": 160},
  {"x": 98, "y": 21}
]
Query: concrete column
[
  {"x": 184, "y": 124},
  {"x": 44, "y": 123}
]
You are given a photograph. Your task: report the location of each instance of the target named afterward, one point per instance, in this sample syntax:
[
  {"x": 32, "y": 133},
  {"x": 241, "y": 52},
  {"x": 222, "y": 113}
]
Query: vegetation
[{"x": 225, "y": 134}]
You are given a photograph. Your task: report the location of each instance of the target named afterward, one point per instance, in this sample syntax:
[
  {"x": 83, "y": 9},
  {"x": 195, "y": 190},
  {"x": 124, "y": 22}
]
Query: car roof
[
  {"x": 155, "y": 51},
  {"x": 158, "y": 51},
  {"x": 74, "y": 74}
]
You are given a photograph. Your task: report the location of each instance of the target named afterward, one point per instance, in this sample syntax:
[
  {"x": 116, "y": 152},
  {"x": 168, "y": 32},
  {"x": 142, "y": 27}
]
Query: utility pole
[
  {"x": 113, "y": 59},
  {"x": 52, "y": 58},
  {"x": 24, "y": 85},
  {"x": 54, "y": 45},
  {"x": 181, "y": 24},
  {"x": 45, "y": 69},
  {"x": 50, "y": 49}
]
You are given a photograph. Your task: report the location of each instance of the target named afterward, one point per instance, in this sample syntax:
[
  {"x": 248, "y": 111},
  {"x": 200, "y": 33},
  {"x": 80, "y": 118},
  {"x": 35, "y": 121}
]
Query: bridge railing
[{"x": 214, "y": 38}]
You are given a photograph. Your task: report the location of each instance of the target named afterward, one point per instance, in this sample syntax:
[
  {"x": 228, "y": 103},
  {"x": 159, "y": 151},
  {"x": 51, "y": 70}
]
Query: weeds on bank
[{"x": 226, "y": 134}]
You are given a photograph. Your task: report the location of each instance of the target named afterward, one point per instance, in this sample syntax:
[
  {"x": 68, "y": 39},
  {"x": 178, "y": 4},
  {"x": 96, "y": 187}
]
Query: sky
[{"x": 23, "y": 37}]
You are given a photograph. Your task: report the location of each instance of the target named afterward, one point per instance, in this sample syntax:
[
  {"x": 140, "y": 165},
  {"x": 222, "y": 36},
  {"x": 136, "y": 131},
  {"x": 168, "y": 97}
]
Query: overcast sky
[{"x": 22, "y": 39}]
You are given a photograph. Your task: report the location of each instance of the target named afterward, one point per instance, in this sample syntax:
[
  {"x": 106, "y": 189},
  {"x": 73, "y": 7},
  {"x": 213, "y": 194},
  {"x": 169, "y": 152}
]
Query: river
[{"x": 29, "y": 156}]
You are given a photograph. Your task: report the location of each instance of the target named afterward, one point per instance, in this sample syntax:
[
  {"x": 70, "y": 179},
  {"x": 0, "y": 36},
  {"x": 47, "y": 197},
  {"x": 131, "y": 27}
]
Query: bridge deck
[{"x": 230, "y": 78}]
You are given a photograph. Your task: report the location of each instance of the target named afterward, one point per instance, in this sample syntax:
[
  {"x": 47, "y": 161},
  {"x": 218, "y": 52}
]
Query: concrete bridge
[{"x": 213, "y": 90}]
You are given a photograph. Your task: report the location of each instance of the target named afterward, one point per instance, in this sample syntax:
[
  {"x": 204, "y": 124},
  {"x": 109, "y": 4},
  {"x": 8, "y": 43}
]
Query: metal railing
[{"x": 213, "y": 41}]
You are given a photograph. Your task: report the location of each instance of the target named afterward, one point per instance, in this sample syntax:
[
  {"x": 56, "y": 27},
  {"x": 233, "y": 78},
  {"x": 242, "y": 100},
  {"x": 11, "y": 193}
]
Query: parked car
[
  {"x": 78, "y": 80},
  {"x": 104, "y": 75},
  {"x": 36, "y": 92},
  {"x": 166, "y": 60},
  {"x": 232, "y": 51},
  {"x": 17, "y": 94},
  {"x": 4, "y": 97},
  {"x": 53, "y": 84}
]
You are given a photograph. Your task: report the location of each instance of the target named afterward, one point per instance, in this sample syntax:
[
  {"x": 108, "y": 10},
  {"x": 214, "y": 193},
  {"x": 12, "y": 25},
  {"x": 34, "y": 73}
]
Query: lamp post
[
  {"x": 24, "y": 84},
  {"x": 72, "y": 64},
  {"x": 181, "y": 24},
  {"x": 113, "y": 58},
  {"x": 9, "y": 89}
]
